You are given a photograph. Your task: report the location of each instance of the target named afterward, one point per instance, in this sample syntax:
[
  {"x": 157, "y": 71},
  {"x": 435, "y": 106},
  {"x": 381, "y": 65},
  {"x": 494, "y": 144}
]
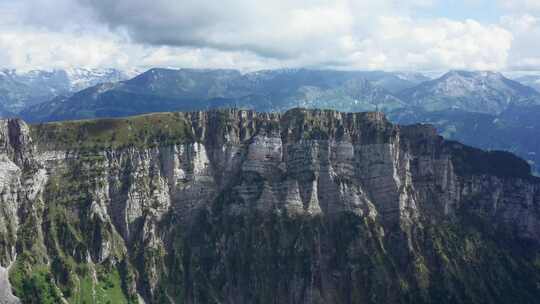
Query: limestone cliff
[{"x": 235, "y": 206}]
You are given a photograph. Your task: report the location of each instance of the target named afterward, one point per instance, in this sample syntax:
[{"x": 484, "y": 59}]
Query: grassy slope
[{"x": 138, "y": 131}]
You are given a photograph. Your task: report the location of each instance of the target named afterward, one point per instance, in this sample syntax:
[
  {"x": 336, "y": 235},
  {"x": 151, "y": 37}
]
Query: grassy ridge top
[
  {"x": 138, "y": 131},
  {"x": 180, "y": 127}
]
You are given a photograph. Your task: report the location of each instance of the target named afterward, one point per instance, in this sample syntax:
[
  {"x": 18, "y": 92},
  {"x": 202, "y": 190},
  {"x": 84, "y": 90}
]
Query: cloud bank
[{"x": 243, "y": 34}]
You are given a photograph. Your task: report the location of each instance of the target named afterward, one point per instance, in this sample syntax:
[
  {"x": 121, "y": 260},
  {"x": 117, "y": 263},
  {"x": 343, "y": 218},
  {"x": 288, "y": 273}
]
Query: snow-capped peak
[
  {"x": 81, "y": 78},
  {"x": 30, "y": 87}
]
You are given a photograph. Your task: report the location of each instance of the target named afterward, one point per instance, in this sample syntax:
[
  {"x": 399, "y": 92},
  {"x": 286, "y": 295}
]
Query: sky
[{"x": 406, "y": 35}]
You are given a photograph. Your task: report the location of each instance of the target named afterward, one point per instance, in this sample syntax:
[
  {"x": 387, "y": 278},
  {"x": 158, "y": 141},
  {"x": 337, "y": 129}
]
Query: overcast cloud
[{"x": 245, "y": 34}]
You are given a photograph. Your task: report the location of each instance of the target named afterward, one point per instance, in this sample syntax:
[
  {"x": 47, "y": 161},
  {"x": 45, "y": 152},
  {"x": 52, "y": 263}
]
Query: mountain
[
  {"x": 515, "y": 130},
  {"x": 464, "y": 106},
  {"x": 20, "y": 89},
  {"x": 157, "y": 90},
  {"x": 160, "y": 90},
  {"x": 81, "y": 78},
  {"x": 530, "y": 80},
  {"x": 395, "y": 82},
  {"x": 234, "y": 206},
  {"x": 483, "y": 92},
  {"x": 278, "y": 90},
  {"x": 389, "y": 81}
]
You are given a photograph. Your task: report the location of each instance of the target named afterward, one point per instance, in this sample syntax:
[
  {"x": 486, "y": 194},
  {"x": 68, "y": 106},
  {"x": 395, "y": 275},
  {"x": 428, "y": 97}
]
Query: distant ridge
[
  {"x": 22, "y": 89},
  {"x": 190, "y": 89},
  {"x": 484, "y": 92}
]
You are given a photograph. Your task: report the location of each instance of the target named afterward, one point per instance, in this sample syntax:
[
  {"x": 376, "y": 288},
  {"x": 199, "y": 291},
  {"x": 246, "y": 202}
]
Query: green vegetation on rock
[{"x": 137, "y": 131}]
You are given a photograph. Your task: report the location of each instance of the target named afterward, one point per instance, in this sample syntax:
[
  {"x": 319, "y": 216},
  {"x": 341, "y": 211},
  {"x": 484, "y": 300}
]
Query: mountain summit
[{"x": 485, "y": 92}]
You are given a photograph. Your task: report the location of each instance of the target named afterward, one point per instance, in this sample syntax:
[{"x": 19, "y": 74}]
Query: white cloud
[
  {"x": 244, "y": 34},
  {"x": 524, "y": 52},
  {"x": 33, "y": 48},
  {"x": 521, "y": 5},
  {"x": 443, "y": 43}
]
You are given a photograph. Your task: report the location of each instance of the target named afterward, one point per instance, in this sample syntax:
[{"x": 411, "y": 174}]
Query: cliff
[{"x": 234, "y": 206}]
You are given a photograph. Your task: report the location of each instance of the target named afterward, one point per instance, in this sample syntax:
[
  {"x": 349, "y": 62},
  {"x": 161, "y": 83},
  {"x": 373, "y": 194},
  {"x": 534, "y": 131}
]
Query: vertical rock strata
[{"x": 235, "y": 206}]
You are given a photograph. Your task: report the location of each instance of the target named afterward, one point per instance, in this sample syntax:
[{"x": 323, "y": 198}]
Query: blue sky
[
  {"x": 481, "y": 10},
  {"x": 422, "y": 35}
]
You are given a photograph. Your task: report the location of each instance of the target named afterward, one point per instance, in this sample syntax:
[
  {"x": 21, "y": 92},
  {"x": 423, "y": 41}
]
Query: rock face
[{"x": 235, "y": 206}]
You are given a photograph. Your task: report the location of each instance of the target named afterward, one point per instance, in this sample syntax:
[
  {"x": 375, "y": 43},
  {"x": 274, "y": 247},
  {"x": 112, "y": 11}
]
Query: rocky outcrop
[{"x": 234, "y": 206}]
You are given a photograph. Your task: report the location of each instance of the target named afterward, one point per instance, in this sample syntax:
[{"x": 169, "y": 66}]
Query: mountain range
[
  {"x": 20, "y": 89},
  {"x": 473, "y": 107},
  {"x": 187, "y": 89},
  {"x": 278, "y": 90},
  {"x": 291, "y": 205}
]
